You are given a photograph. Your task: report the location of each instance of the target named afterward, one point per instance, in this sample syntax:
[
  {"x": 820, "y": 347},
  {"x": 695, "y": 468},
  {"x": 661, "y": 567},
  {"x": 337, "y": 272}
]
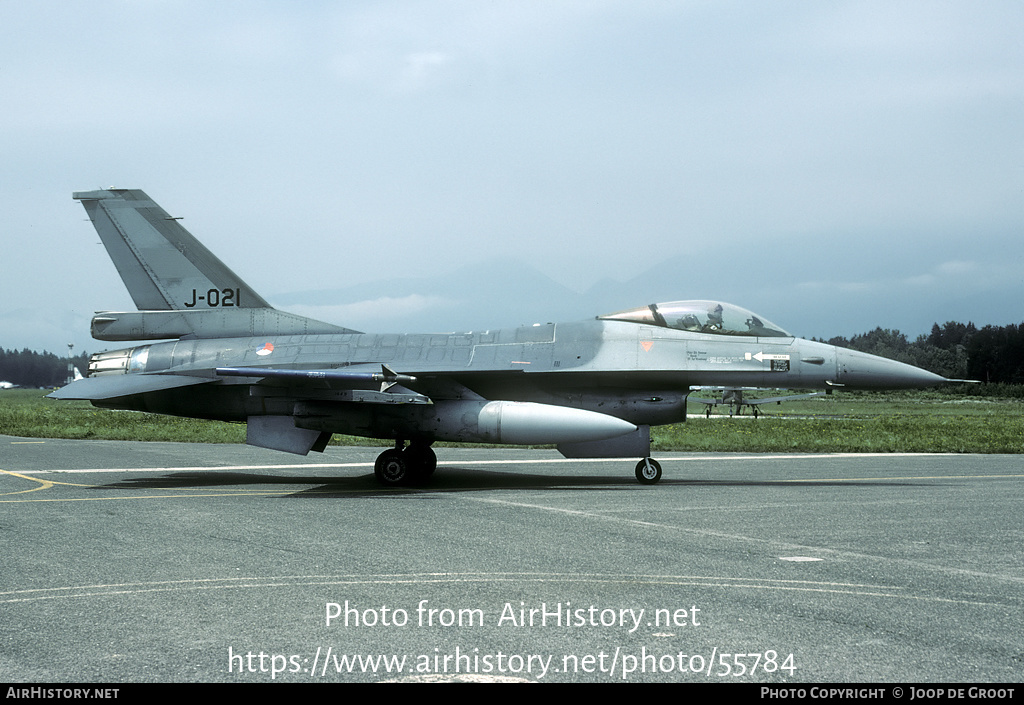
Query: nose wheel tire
[{"x": 648, "y": 471}]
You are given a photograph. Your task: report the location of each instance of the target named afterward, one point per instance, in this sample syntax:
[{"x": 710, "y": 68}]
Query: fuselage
[{"x": 633, "y": 371}]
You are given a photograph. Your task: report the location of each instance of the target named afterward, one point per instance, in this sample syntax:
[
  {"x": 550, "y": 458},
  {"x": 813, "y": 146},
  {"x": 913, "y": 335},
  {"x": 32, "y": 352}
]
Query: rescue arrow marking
[{"x": 761, "y": 357}]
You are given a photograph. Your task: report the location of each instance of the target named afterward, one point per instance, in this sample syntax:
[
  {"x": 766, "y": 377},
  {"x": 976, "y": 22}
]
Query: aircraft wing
[
  {"x": 397, "y": 386},
  {"x": 707, "y": 402},
  {"x": 110, "y": 386},
  {"x": 727, "y": 400},
  {"x": 420, "y": 388},
  {"x": 773, "y": 400}
]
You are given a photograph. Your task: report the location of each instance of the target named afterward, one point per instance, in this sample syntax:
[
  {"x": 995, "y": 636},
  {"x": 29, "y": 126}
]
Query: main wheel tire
[
  {"x": 391, "y": 468},
  {"x": 648, "y": 471},
  {"x": 421, "y": 459}
]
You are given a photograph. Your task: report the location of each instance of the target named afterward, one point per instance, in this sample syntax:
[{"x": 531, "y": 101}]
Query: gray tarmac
[{"x": 149, "y": 562}]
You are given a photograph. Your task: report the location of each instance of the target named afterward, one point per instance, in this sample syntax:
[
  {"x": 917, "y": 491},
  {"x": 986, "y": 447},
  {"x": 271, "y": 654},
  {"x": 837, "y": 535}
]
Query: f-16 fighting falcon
[{"x": 593, "y": 388}]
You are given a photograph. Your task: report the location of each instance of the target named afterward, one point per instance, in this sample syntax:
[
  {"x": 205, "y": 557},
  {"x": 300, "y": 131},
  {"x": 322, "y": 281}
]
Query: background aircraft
[
  {"x": 593, "y": 388},
  {"x": 734, "y": 399}
]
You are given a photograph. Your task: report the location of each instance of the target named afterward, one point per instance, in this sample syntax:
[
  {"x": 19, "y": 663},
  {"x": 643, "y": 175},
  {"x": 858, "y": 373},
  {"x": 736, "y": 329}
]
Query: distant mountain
[
  {"x": 493, "y": 294},
  {"x": 499, "y": 293},
  {"x": 506, "y": 292}
]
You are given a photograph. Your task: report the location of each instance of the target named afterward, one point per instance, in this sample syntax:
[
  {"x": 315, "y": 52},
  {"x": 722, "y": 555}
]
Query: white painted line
[{"x": 531, "y": 461}]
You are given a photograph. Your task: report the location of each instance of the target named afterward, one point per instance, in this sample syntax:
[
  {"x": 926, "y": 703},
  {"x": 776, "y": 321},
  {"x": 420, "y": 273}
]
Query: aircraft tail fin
[
  {"x": 163, "y": 265},
  {"x": 178, "y": 285}
]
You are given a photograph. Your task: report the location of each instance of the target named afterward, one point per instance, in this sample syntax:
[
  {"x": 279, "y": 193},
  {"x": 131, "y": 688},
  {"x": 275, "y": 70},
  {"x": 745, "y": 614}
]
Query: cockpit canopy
[{"x": 701, "y": 317}]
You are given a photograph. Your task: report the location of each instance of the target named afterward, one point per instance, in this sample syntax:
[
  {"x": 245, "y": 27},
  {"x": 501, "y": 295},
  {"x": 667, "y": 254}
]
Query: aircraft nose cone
[{"x": 863, "y": 371}]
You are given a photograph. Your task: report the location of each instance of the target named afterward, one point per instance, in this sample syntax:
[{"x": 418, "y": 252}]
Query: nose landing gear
[{"x": 648, "y": 471}]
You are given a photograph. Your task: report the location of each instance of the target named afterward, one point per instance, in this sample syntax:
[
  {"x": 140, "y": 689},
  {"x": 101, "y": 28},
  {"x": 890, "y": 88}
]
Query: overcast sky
[{"x": 854, "y": 156}]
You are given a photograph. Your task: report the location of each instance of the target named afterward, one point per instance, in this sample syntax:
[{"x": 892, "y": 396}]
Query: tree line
[
  {"x": 993, "y": 355},
  {"x": 27, "y": 368}
]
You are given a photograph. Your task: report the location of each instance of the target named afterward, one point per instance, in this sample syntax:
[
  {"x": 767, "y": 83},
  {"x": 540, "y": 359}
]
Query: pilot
[
  {"x": 688, "y": 322},
  {"x": 714, "y": 318}
]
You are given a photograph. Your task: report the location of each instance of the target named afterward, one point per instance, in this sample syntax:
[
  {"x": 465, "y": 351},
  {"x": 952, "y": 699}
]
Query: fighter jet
[
  {"x": 593, "y": 388},
  {"x": 734, "y": 398}
]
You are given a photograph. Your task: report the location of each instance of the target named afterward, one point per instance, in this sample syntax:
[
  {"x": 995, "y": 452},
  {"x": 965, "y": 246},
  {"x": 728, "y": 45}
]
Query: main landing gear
[
  {"x": 415, "y": 463},
  {"x": 648, "y": 471},
  {"x": 405, "y": 465}
]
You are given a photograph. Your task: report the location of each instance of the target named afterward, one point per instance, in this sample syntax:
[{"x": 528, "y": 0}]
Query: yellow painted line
[
  {"x": 204, "y": 468},
  {"x": 43, "y": 484},
  {"x": 240, "y": 493}
]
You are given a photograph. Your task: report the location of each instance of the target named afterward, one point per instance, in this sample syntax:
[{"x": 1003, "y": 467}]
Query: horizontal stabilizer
[{"x": 112, "y": 386}]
